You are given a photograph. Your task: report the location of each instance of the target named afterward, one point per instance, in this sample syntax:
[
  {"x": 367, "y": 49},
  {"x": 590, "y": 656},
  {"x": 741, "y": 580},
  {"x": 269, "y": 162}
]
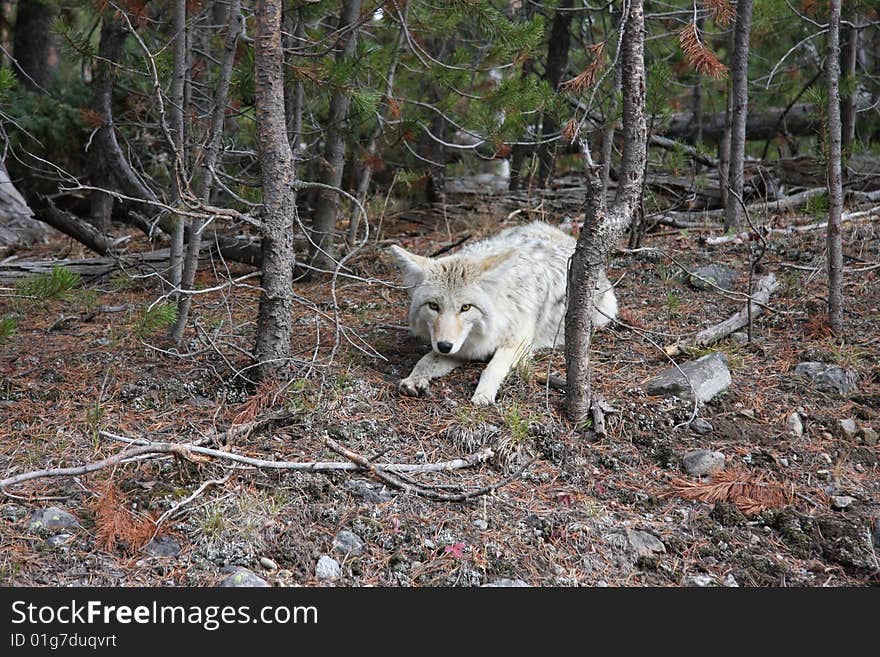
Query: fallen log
[
  {"x": 690, "y": 219},
  {"x": 858, "y": 217},
  {"x": 18, "y": 228},
  {"x": 753, "y": 308}
]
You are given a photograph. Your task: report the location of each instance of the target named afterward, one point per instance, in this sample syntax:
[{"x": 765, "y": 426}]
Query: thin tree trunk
[
  {"x": 178, "y": 84},
  {"x": 608, "y": 131},
  {"x": 848, "y": 102},
  {"x": 602, "y": 229},
  {"x": 323, "y": 249},
  {"x": 372, "y": 142},
  {"x": 274, "y": 328},
  {"x": 740, "y": 106},
  {"x": 101, "y": 166},
  {"x": 835, "y": 187},
  {"x": 557, "y": 61},
  {"x": 697, "y": 99},
  {"x": 293, "y": 88},
  {"x": 32, "y": 43},
  {"x": 206, "y": 181}
]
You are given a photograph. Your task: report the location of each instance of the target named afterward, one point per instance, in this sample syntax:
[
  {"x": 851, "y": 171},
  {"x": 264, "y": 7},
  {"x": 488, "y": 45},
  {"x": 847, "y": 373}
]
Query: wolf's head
[{"x": 453, "y": 299}]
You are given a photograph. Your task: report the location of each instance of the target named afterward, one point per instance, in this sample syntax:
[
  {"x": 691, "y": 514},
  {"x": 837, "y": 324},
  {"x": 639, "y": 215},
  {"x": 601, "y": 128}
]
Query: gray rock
[
  {"x": 702, "y": 581},
  {"x": 708, "y": 376},
  {"x": 371, "y": 492},
  {"x": 328, "y": 568},
  {"x": 481, "y": 524},
  {"x": 518, "y": 583},
  {"x": 739, "y": 337},
  {"x": 58, "y": 540},
  {"x": 829, "y": 378},
  {"x": 876, "y": 532},
  {"x": 268, "y": 564},
  {"x": 163, "y": 546},
  {"x": 242, "y": 578},
  {"x": 841, "y": 502},
  {"x": 12, "y": 512},
  {"x": 795, "y": 425},
  {"x": 730, "y": 582},
  {"x": 701, "y": 462},
  {"x": 348, "y": 543},
  {"x": 847, "y": 428},
  {"x": 645, "y": 544},
  {"x": 52, "y": 519},
  {"x": 717, "y": 275},
  {"x": 701, "y": 426},
  {"x": 869, "y": 436}
]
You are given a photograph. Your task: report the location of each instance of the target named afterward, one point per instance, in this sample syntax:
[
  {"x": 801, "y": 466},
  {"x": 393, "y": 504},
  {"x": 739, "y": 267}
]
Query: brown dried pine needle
[
  {"x": 115, "y": 523},
  {"x": 722, "y": 11},
  {"x": 750, "y": 493},
  {"x": 698, "y": 55},
  {"x": 587, "y": 79}
]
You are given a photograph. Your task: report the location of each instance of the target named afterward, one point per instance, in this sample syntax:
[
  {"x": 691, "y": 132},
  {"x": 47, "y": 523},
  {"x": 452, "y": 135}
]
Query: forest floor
[{"x": 573, "y": 508}]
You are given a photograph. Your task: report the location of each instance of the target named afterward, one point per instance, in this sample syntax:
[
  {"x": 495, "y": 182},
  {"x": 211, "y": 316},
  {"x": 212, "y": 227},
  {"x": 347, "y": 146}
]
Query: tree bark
[
  {"x": 848, "y": 101},
  {"x": 835, "y": 186},
  {"x": 557, "y": 61},
  {"x": 603, "y": 229},
  {"x": 206, "y": 181},
  {"x": 272, "y": 350},
  {"x": 178, "y": 84},
  {"x": 740, "y": 108},
  {"x": 32, "y": 43},
  {"x": 323, "y": 249}
]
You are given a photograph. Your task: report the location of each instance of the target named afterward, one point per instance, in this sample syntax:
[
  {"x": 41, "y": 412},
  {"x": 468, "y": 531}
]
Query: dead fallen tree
[
  {"x": 693, "y": 219},
  {"x": 758, "y": 300},
  {"x": 394, "y": 474},
  {"x": 856, "y": 217},
  {"x": 88, "y": 268}
]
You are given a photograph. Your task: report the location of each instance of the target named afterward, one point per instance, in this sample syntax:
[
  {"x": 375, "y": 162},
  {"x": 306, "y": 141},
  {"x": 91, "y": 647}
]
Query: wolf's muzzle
[{"x": 444, "y": 347}]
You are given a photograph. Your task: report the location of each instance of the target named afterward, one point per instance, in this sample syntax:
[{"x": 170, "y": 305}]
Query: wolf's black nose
[{"x": 444, "y": 347}]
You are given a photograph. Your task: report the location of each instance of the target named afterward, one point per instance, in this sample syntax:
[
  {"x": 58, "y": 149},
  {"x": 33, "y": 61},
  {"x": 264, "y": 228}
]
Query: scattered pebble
[
  {"x": 481, "y": 524},
  {"x": 841, "y": 502},
  {"x": 328, "y": 568},
  {"x": 702, "y": 581},
  {"x": 869, "y": 436},
  {"x": 348, "y": 543},
  {"x": 795, "y": 425},
  {"x": 645, "y": 544},
  {"x": 701, "y": 462},
  {"x": 701, "y": 426},
  {"x": 506, "y": 583},
  {"x": 703, "y": 378},
  {"x": 163, "y": 546},
  {"x": 827, "y": 377},
  {"x": 242, "y": 578},
  {"x": 58, "y": 540},
  {"x": 847, "y": 428},
  {"x": 730, "y": 582},
  {"x": 268, "y": 564},
  {"x": 52, "y": 519}
]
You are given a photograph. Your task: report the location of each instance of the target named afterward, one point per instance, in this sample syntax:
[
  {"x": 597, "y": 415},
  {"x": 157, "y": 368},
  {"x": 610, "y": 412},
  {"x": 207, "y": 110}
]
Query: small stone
[
  {"x": 372, "y": 492},
  {"x": 841, "y": 502},
  {"x": 645, "y": 544},
  {"x": 795, "y": 425},
  {"x": 518, "y": 583},
  {"x": 52, "y": 519},
  {"x": 348, "y": 543},
  {"x": 826, "y": 458},
  {"x": 242, "y": 578},
  {"x": 876, "y": 532},
  {"x": 715, "y": 276},
  {"x": 739, "y": 337},
  {"x": 328, "y": 568},
  {"x": 823, "y": 474},
  {"x": 782, "y": 461},
  {"x": 702, "y": 378},
  {"x": 481, "y": 524},
  {"x": 702, "y": 581},
  {"x": 701, "y": 462},
  {"x": 830, "y": 378},
  {"x": 58, "y": 540},
  {"x": 869, "y": 436},
  {"x": 163, "y": 546},
  {"x": 268, "y": 564},
  {"x": 701, "y": 426},
  {"x": 730, "y": 582},
  {"x": 847, "y": 428}
]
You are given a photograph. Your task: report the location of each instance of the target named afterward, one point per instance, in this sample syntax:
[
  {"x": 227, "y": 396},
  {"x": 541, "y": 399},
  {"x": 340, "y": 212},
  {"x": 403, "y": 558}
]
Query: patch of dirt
[{"x": 563, "y": 522}]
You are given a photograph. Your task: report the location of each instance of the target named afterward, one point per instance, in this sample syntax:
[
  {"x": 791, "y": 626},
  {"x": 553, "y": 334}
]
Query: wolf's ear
[
  {"x": 412, "y": 266},
  {"x": 495, "y": 264}
]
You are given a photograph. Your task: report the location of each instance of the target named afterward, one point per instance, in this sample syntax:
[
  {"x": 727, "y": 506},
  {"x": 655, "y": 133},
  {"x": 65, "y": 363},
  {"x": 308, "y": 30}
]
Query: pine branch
[{"x": 698, "y": 55}]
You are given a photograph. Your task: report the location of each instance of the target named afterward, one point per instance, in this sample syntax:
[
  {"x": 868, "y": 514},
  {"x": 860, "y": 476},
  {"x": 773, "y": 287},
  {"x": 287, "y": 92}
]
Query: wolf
[{"x": 499, "y": 299}]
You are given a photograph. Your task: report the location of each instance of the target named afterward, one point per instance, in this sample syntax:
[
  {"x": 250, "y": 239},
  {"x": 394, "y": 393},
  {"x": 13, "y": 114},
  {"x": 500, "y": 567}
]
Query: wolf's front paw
[
  {"x": 482, "y": 399},
  {"x": 413, "y": 387}
]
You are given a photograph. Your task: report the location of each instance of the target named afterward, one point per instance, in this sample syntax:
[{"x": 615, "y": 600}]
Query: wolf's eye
[
  {"x": 465, "y": 308},
  {"x": 433, "y": 306}
]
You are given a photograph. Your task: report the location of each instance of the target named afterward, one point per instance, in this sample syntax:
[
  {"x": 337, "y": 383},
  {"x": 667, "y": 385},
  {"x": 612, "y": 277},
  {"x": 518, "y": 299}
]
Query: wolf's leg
[
  {"x": 494, "y": 374},
  {"x": 431, "y": 366}
]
